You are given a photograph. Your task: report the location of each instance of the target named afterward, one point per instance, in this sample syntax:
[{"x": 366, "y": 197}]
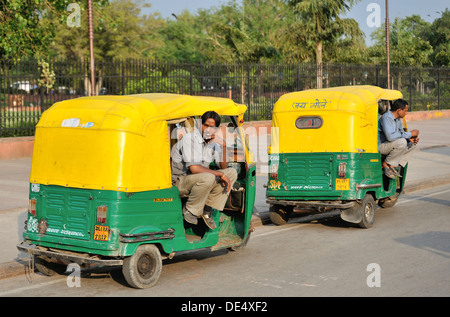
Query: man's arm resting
[{"x": 195, "y": 169}]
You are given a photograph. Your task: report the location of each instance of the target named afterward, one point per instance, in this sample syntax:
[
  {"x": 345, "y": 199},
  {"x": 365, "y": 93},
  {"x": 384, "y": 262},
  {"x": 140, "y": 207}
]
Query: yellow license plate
[
  {"x": 342, "y": 184},
  {"x": 101, "y": 233}
]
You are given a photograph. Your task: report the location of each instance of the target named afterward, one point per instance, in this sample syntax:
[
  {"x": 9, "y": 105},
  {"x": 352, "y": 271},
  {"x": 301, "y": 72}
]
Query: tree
[
  {"x": 120, "y": 31},
  {"x": 24, "y": 31},
  {"x": 245, "y": 33},
  {"x": 408, "y": 43},
  {"x": 183, "y": 37},
  {"x": 322, "y": 25},
  {"x": 349, "y": 50},
  {"x": 439, "y": 38}
]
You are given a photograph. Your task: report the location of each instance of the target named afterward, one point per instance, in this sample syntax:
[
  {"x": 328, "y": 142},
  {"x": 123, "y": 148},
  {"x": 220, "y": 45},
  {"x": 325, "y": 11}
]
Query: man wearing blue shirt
[
  {"x": 395, "y": 143},
  {"x": 207, "y": 189}
]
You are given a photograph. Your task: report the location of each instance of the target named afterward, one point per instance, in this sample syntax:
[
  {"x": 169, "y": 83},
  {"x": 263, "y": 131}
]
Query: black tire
[
  {"x": 143, "y": 268},
  {"x": 44, "y": 266},
  {"x": 278, "y": 215},
  {"x": 367, "y": 210},
  {"x": 48, "y": 268},
  {"x": 389, "y": 201}
]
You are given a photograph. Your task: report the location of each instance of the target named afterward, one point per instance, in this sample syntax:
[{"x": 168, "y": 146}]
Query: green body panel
[
  {"x": 70, "y": 215},
  {"x": 313, "y": 176}
]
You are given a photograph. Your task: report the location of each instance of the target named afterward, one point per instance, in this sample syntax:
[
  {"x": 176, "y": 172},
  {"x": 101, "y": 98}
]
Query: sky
[{"x": 368, "y": 13}]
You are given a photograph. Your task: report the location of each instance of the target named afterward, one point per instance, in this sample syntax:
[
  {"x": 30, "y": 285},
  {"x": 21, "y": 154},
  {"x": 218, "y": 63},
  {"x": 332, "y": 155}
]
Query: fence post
[
  {"x": 410, "y": 89},
  {"x": 123, "y": 76},
  {"x": 377, "y": 75},
  {"x": 439, "y": 88},
  {"x": 191, "y": 90},
  {"x": 248, "y": 93}
]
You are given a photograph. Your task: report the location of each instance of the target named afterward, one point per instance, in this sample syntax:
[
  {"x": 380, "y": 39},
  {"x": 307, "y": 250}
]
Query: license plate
[
  {"x": 342, "y": 184},
  {"x": 101, "y": 233}
]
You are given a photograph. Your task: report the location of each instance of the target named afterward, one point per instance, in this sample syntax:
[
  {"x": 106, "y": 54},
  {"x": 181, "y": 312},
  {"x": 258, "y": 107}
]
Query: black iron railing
[{"x": 29, "y": 87}]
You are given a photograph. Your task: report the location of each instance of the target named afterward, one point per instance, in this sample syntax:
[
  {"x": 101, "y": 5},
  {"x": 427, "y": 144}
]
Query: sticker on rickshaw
[
  {"x": 274, "y": 184},
  {"x": 318, "y": 104},
  {"x": 159, "y": 200},
  {"x": 101, "y": 233},
  {"x": 342, "y": 184}
]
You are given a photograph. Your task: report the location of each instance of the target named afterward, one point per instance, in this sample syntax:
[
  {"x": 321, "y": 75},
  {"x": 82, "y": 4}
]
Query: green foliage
[
  {"x": 439, "y": 37},
  {"x": 409, "y": 45},
  {"x": 27, "y": 28},
  {"x": 47, "y": 78},
  {"x": 237, "y": 31},
  {"x": 183, "y": 38},
  {"x": 177, "y": 81},
  {"x": 120, "y": 31},
  {"x": 321, "y": 24}
]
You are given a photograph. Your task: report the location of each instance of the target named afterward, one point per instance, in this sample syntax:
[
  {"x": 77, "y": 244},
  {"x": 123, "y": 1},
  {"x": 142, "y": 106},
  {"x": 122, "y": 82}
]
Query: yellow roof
[
  {"x": 348, "y": 115},
  {"x": 133, "y": 112},
  {"x": 348, "y": 98},
  {"x": 114, "y": 142}
]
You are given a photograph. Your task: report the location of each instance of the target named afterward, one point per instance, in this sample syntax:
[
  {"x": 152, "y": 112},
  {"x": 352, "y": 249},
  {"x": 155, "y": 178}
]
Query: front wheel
[
  {"x": 367, "y": 210},
  {"x": 143, "y": 268},
  {"x": 389, "y": 201},
  {"x": 242, "y": 245}
]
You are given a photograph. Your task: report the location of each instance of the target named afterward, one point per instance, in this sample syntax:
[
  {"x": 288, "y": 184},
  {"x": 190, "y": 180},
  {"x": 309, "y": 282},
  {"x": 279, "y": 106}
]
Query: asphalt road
[{"x": 405, "y": 253}]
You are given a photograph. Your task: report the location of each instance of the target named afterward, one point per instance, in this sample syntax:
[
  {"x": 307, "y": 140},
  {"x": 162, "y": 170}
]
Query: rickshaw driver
[
  {"x": 191, "y": 157},
  {"x": 394, "y": 141}
]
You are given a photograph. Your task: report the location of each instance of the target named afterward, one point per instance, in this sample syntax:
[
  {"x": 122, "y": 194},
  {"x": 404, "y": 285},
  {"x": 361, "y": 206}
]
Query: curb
[
  {"x": 13, "y": 268},
  {"x": 431, "y": 182},
  {"x": 21, "y": 267}
]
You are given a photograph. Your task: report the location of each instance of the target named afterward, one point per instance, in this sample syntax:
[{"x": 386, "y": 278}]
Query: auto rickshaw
[
  {"x": 324, "y": 159},
  {"x": 101, "y": 192}
]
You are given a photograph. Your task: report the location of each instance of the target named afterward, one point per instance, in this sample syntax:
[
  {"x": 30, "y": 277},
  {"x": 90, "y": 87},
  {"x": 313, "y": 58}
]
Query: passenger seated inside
[{"x": 206, "y": 188}]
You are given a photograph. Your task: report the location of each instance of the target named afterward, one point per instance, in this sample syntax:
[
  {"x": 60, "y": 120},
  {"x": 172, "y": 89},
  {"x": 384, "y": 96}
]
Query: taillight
[
  {"x": 342, "y": 172},
  {"x": 32, "y": 206},
  {"x": 274, "y": 171},
  {"x": 101, "y": 213}
]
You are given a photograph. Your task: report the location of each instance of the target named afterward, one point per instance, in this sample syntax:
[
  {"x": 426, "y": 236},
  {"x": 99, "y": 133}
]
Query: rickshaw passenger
[
  {"x": 395, "y": 143},
  {"x": 191, "y": 157}
]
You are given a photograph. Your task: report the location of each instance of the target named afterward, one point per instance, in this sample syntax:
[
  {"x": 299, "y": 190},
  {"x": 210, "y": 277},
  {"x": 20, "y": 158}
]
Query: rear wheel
[
  {"x": 46, "y": 267},
  {"x": 143, "y": 268},
  {"x": 278, "y": 215},
  {"x": 367, "y": 210}
]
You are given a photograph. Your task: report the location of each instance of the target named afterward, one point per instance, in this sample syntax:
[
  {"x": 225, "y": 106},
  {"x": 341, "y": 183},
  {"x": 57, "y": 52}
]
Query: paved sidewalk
[{"x": 428, "y": 167}]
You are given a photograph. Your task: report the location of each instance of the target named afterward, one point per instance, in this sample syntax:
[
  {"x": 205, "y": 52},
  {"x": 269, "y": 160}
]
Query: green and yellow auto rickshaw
[
  {"x": 324, "y": 159},
  {"x": 101, "y": 191}
]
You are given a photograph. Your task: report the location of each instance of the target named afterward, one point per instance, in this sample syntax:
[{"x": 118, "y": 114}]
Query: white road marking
[
  {"x": 420, "y": 197},
  {"x": 30, "y": 287}
]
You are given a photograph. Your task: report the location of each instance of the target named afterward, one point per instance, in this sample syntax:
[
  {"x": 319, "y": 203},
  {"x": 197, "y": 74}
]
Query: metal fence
[{"x": 28, "y": 87}]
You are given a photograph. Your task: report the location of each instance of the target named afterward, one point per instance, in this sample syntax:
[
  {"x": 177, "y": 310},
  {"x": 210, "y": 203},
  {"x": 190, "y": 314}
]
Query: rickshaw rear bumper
[
  {"x": 312, "y": 204},
  {"x": 66, "y": 257}
]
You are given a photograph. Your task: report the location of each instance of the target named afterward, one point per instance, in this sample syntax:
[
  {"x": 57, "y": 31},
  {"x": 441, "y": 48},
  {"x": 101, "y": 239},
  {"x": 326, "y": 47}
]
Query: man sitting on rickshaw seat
[
  {"x": 395, "y": 143},
  {"x": 207, "y": 189}
]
